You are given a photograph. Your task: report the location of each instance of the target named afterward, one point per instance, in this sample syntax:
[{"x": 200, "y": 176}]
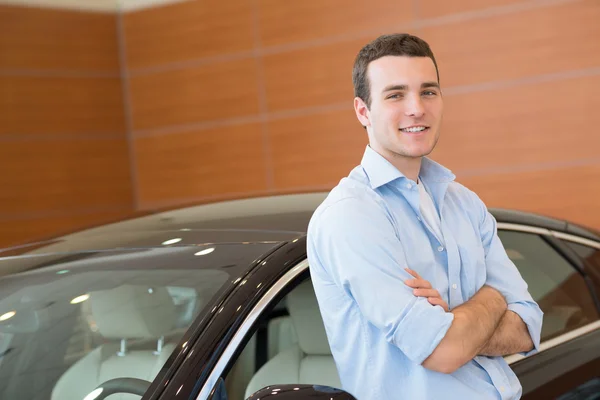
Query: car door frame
[
  {"x": 578, "y": 350},
  {"x": 190, "y": 369}
]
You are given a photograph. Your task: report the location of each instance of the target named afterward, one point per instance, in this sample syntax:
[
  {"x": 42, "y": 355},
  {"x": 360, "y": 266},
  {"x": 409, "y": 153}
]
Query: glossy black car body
[{"x": 275, "y": 230}]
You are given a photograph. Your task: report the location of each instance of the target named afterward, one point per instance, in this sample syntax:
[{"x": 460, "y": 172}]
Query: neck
[{"x": 408, "y": 166}]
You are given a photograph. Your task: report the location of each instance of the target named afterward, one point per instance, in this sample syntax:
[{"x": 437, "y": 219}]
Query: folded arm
[
  {"x": 520, "y": 329},
  {"x": 357, "y": 246},
  {"x": 475, "y": 322},
  {"x": 510, "y": 337}
]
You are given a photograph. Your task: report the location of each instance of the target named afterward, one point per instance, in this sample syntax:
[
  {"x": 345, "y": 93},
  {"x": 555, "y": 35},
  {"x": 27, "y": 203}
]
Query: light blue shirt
[{"x": 362, "y": 237}]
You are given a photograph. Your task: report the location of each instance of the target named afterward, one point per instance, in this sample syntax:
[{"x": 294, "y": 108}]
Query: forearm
[
  {"x": 474, "y": 324},
  {"x": 511, "y": 336}
]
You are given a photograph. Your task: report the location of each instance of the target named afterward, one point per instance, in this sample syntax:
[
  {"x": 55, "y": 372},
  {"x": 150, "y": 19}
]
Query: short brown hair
[{"x": 397, "y": 44}]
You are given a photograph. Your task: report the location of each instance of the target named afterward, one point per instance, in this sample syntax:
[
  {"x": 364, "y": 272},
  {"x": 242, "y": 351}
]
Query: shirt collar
[{"x": 380, "y": 171}]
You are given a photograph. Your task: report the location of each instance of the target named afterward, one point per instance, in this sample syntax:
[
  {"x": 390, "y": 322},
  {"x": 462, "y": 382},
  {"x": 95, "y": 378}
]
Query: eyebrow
[{"x": 424, "y": 85}]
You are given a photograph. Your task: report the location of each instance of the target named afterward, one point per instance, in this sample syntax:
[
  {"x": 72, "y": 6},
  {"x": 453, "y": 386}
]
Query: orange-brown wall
[
  {"x": 63, "y": 142},
  {"x": 246, "y": 97},
  {"x": 240, "y": 98}
]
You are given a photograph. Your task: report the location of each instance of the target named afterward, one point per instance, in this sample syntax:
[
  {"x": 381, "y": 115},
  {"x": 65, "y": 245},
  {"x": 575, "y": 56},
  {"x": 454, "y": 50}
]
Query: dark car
[{"x": 215, "y": 302}]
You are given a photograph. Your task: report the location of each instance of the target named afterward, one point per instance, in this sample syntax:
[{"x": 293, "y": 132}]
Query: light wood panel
[
  {"x": 48, "y": 105},
  {"x": 569, "y": 193},
  {"x": 522, "y": 44},
  {"x": 18, "y": 231},
  {"x": 311, "y": 77},
  {"x": 317, "y": 149},
  {"x": 438, "y": 8},
  {"x": 531, "y": 124},
  {"x": 204, "y": 93},
  {"x": 188, "y": 30},
  {"x": 39, "y": 39},
  {"x": 284, "y": 22},
  {"x": 47, "y": 175},
  {"x": 200, "y": 164}
]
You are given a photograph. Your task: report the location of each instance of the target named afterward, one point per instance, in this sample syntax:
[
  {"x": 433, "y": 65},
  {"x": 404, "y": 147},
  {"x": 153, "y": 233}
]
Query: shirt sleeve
[
  {"x": 358, "y": 247},
  {"x": 503, "y": 275}
]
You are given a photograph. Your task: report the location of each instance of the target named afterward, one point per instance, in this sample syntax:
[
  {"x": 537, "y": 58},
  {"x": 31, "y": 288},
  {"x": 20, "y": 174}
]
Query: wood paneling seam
[
  {"x": 466, "y": 173},
  {"x": 52, "y": 73},
  {"x": 71, "y": 212},
  {"x": 347, "y": 105},
  {"x": 25, "y": 137},
  {"x": 428, "y": 22},
  {"x": 127, "y": 107},
  {"x": 182, "y": 202},
  {"x": 262, "y": 100},
  {"x": 526, "y": 167}
]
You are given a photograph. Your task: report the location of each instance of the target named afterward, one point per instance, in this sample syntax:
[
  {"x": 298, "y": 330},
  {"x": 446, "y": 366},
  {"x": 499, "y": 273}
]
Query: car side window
[
  {"x": 289, "y": 346},
  {"x": 555, "y": 284},
  {"x": 591, "y": 257}
]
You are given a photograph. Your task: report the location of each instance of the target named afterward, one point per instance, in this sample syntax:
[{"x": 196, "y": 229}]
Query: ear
[{"x": 362, "y": 112}]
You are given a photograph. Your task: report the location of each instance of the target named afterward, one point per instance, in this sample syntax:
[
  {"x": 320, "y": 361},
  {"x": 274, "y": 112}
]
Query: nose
[{"x": 414, "y": 106}]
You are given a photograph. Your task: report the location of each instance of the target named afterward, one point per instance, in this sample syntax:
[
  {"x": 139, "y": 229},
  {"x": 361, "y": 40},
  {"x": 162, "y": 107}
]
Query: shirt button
[
  {"x": 454, "y": 286},
  {"x": 502, "y": 389},
  {"x": 409, "y": 186},
  {"x": 441, "y": 248}
]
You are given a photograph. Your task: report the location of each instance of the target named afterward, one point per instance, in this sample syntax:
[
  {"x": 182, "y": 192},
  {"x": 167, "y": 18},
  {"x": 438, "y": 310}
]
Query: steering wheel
[{"x": 119, "y": 385}]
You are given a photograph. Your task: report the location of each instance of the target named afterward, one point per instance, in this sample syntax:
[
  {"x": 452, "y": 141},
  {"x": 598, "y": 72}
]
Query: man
[{"x": 418, "y": 296}]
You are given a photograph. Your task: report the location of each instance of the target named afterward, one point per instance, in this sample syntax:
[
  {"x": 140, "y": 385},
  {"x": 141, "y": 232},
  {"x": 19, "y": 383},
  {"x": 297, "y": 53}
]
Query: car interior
[{"x": 61, "y": 345}]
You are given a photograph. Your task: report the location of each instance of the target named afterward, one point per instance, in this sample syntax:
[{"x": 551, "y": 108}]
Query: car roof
[{"x": 262, "y": 219}]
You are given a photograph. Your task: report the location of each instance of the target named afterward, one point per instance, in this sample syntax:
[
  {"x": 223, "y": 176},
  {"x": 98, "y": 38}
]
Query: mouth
[{"x": 414, "y": 129}]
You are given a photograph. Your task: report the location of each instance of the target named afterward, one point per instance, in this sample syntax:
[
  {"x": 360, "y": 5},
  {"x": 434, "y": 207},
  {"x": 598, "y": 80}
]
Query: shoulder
[
  {"x": 348, "y": 204},
  {"x": 464, "y": 194}
]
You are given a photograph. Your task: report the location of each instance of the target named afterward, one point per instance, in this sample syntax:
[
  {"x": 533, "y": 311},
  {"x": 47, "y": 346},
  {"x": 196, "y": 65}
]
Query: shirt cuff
[
  {"x": 532, "y": 316},
  {"x": 421, "y": 330}
]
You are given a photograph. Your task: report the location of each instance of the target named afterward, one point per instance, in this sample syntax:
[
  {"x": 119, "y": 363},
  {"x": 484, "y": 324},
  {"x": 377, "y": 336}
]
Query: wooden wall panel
[
  {"x": 438, "y": 8},
  {"x": 316, "y": 150},
  {"x": 311, "y": 77},
  {"x": 284, "y": 22},
  {"x": 519, "y": 93},
  {"x": 571, "y": 193},
  {"x": 38, "y": 39},
  {"x": 187, "y": 31},
  {"x": 534, "y": 124},
  {"x": 516, "y": 45},
  {"x": 49, "y": 175},
  {"x": 63, "y": 147},
  {"x": 48, "y": 105},
  {"x": 183, "y": 96},
  {"x": 200, "y": 165}
]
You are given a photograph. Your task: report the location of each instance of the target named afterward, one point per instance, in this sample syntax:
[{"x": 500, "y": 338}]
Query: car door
[{"x": 569, "y": 359}]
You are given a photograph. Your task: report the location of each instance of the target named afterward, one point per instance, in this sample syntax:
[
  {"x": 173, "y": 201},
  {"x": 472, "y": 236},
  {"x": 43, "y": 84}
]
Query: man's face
[{"x": 406, "y": 106}]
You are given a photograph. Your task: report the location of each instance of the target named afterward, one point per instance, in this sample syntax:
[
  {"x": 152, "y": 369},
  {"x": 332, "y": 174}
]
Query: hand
[{"x": 422, "y": 288}]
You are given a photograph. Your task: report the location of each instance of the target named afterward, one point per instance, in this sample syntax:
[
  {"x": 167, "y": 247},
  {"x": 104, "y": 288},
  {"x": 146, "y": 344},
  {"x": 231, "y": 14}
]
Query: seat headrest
[
  {"x": 306, "y": 317},
  {"x": 133, "y": 312}
]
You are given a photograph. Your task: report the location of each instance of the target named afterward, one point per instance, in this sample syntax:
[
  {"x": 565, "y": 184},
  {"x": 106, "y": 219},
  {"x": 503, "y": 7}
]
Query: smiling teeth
[{"x": 415, "y": 129}]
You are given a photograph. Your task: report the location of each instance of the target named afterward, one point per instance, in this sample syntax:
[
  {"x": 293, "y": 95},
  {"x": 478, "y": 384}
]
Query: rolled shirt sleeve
[
  {"x": 362, "y": 254},
  {"x": 503, "y": 275}
]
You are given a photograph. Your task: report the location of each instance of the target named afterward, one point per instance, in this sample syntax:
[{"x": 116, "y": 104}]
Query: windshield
[{"x": 79, "y": 320}]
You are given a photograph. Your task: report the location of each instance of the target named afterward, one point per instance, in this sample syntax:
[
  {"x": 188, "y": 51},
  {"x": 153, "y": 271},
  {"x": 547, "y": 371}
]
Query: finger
[
  {"x": 436, "y": 301},
  {"x": 426, "y": 293},
  {"x": 413, "y": 273},
  {"x": 418, "y": 283}
]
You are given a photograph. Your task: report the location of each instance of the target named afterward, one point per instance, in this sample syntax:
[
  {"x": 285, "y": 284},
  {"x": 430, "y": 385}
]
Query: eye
[
  {"x": 395, "y": 96},
  {"x": 430, "y": 93}
]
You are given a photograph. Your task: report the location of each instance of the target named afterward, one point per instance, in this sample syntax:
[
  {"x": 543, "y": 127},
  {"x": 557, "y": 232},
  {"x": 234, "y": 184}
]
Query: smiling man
[{"x": 418, "y": 296}]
